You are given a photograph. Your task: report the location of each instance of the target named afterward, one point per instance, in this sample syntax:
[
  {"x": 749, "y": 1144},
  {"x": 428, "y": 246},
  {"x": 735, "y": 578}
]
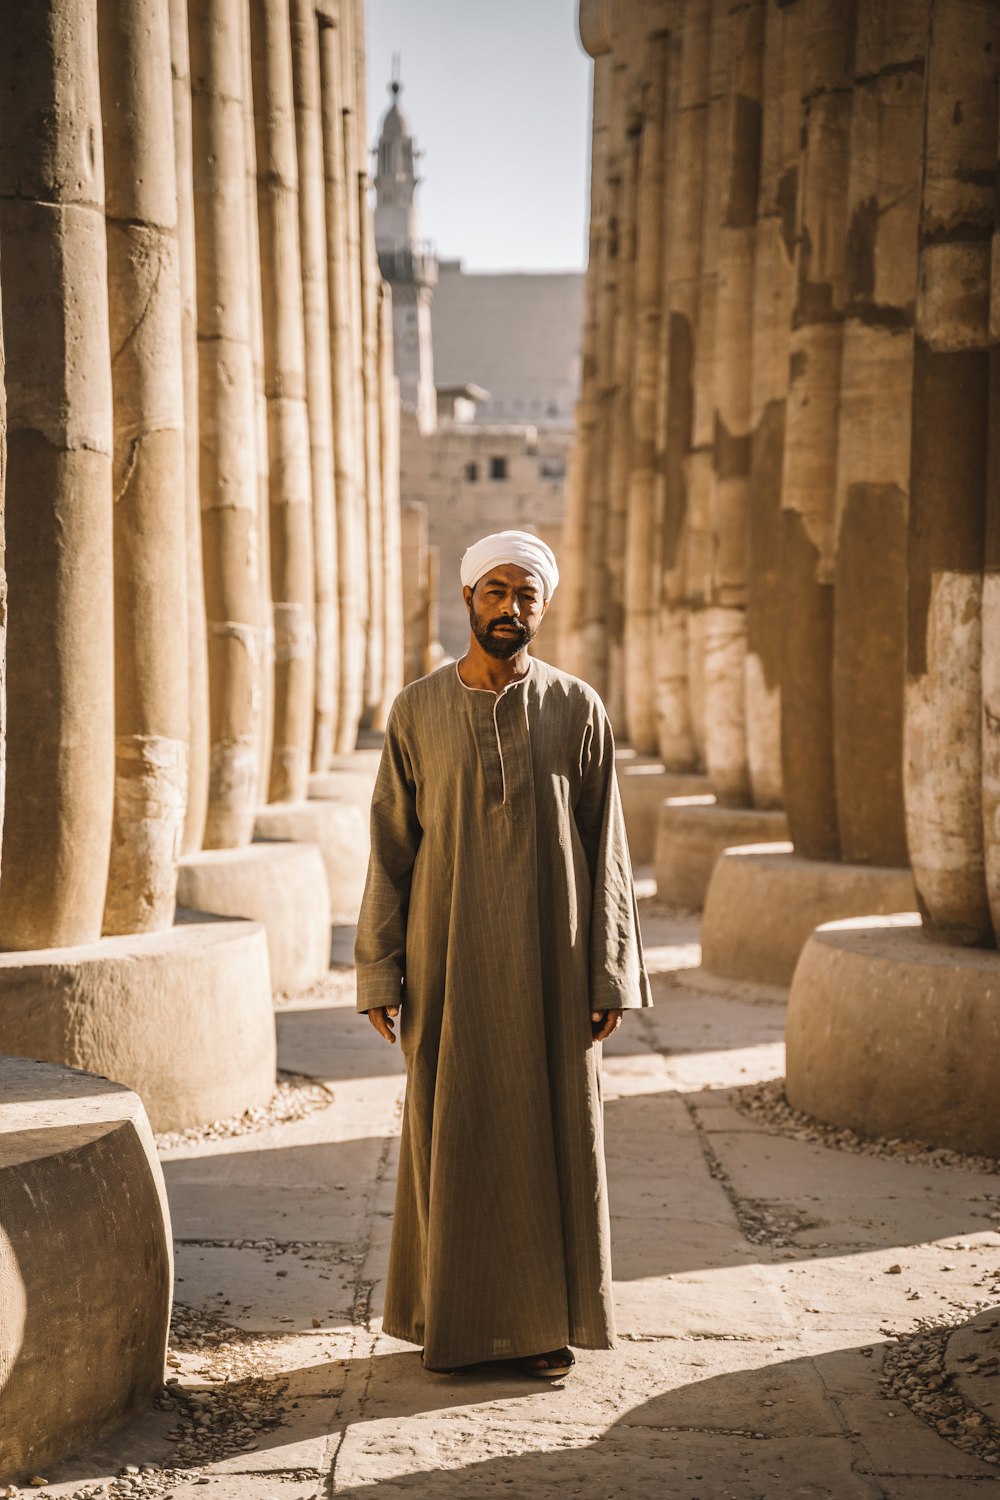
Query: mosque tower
[{"x": 407, "y": 263}]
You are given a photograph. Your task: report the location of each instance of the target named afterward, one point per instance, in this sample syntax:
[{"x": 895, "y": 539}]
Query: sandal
[{"x": 551, "y": 1366}]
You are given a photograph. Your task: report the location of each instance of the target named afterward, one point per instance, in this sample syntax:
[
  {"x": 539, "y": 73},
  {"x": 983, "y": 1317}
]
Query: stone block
[
  {"x": 691, "y": 834},
  {"x": 645, "y": 784},
  {"x": 764, "y": 901},
  {"x": 85, "y": 1263},
  {"x": 892, "y": 1035},
  {"x": 281, "y": 886},
  {"x": 182, "y": 1017},
  {"x": 339, "y": 829}
]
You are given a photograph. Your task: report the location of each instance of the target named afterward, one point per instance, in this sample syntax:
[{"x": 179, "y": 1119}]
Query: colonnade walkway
[{"x": 798, "y": 1317}]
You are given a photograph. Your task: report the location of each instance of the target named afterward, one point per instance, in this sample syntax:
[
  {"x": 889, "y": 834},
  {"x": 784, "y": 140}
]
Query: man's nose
[{"x": 515, "y": 607}]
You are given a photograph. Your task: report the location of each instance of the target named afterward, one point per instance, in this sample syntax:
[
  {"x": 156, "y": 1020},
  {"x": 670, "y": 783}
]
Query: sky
[{"x": 497, "y": 94}]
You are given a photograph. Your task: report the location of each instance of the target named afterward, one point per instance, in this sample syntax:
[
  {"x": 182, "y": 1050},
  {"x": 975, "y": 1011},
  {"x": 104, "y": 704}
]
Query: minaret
[{"x": 407, "y": 263}]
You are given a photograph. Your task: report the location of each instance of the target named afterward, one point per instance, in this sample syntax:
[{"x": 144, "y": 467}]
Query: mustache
[{"x": 516, "y": 624}]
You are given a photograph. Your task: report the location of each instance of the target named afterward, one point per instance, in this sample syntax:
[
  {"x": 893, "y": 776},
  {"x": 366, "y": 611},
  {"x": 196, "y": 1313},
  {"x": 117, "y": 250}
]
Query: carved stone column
[
  {"x": 60, "y": 684},
  {"x": 149, "y": 470}
]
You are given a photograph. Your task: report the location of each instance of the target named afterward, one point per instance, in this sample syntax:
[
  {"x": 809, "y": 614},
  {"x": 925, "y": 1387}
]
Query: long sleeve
[
  {"x": 380, "y": 947},
  {"x": 618, "y": 976}
]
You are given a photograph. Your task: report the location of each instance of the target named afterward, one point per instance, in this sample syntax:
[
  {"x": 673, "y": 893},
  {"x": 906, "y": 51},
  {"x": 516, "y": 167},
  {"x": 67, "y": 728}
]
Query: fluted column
[
  {"x": 773, "y": 301},
  {"x": 197, "y": 644},
  {"x": 149, "y": 470},
  {"x": 811, "y": 432},
  {"x": 374, "y": 506},
  {"x": 355, "y": 157},
  {"x": 392, "y": 678},
  {"x": 739, "y": 35},
  {"x": 345, "y": 447},
  {"x": 991, "y": 609},
  {"x": 873, "y": 455},
  {"x": 681, "y": 724},
  {"x": 943, "y": 768},
  {"x": 641, "y": 582},
  {"x": 60, "y": 744},
  {"x": 227, "y": 419},
  {"x": 316, "y": 311},
  {"x": 290, "y": 492}
]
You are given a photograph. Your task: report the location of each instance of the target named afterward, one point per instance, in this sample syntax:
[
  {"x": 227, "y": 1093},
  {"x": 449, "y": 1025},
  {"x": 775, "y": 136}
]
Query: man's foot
[{"x": 551, "y": 1366}]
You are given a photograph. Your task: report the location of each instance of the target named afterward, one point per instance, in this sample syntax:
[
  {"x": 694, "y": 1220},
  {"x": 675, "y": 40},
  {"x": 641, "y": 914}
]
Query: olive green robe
[{"x": 499, "y": 911}]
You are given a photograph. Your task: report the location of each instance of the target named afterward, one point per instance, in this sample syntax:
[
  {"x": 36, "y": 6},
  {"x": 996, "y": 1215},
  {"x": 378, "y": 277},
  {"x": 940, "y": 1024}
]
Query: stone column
[
  {"x": 227, "y": 419},
  {"x": 991, "y": 610},
  {"x": 681, "y": 737},
  {"x": 739, "y": 37},
  {"x": 773, "y": 302},
  {"x": 811, "y": 429},
  {"x": 149, "y": 469},
  {"x": 290, "y": 494},
  {"x": 319, "y": 389},
  {"x": 392, "y": 680},
  {"x": 374, "y": 511},
  {"x": 346, "y": 452},
  {"x": 641, "y": 598},
  {"x": 355, "y": 149},
  {"x": 60, "y": 685},
  {"x": 197, "y": 643},
  {"x": 948, "y": 474},
  {"x": 873, "y": 455}
]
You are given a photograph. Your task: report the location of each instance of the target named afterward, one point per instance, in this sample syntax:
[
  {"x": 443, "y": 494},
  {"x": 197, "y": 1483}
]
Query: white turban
[{"x": 505, "y": 547}]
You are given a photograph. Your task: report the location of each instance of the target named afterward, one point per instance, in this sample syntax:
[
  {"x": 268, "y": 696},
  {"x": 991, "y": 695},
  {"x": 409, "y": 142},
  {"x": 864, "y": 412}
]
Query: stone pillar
[
  {"x": 355, "y": 156},
  {"x": 149, "y": 470},
  {"x": 948, "y": 476},
  {"x": 60, "y": 752},
  {"x": 641, "y": 595},
  {"x": 346, "y": 452},
  {"x": 290, "y": 494},
  {"x": 680, "y": 738},
  {"x": 197, "y": 643},
  {"x": 991, "y": 611},
  {"x": 227, "y": 419},
  {"x": 811, "y": 427},
  {"x": 392, "y": 680},
  {"x": 773, "y": 302},
  {"x": 739, "y": 39},
  {"x": 413, "y": 518},
  {"x": 873, "y": 455},
  {"x": 316, "y": 309},
  {"x": 374, "y": 510}
]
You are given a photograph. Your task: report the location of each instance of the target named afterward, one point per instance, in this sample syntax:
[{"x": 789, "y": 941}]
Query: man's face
[{"x": 505, "y": 609}]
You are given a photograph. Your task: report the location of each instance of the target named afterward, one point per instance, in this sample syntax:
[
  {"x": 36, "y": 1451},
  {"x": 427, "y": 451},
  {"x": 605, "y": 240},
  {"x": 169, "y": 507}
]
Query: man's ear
[
  {"x": 545, "y": 605},
  {"x": 467, "y": 596}
]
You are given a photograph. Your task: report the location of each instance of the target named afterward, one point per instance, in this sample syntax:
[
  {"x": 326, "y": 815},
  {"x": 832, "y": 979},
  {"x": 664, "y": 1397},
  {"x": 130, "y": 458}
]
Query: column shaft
[
  {"x": 228, "y": 472},
  {"x": 60, "y": 745},
  {"x": 149, "y": 469},
  {"x": 948, "y": 473},
  {"x": 197, "y": 642},
  {"x": 811, "y": 428},
  {"x": 873, "y": 456},
  {"x": 391, "y": 524},
  {"x": 316, "y": 310}
]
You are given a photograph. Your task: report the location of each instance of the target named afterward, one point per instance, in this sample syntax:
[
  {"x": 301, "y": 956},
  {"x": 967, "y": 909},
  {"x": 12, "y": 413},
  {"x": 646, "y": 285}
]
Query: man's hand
[
  {"x": 605, "y": 1023},
  {"x": 381, "y": 1018}
]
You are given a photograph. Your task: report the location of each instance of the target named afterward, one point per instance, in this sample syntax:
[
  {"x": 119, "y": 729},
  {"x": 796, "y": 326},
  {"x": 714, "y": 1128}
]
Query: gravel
[
  {"x": 295, "y": 1097},
  {"x": 766, "y": 1104},
  {"x": 915, "y": 1371}
]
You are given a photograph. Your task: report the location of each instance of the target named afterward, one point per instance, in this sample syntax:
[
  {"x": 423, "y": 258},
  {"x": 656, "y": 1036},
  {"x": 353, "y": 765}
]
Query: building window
[
  {"x": 552, "y": 466},
  {"x": 498, "y": 467},
  {"x": 472, "y": 472}
]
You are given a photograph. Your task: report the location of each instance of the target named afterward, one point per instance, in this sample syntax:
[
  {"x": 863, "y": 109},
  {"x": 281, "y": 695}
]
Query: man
[{"x": 499, "y": 925}]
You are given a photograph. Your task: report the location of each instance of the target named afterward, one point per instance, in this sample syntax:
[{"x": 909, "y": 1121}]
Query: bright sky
[{"x": 497, "y": 94}]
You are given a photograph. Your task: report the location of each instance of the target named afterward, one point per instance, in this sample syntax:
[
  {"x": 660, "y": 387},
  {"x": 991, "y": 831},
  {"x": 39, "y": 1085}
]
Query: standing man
[{"x": 499, "y": 924}]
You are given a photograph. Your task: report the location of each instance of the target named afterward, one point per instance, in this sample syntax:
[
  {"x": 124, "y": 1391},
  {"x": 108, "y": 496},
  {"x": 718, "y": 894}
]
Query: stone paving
[{"x": 771, "y": 1295}]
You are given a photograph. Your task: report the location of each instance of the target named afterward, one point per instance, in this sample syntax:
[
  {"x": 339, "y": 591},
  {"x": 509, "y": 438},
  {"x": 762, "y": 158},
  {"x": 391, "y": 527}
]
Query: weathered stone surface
[
  {"x": 340, "y": 829},
  {"x": 764, "y": 902},
  {"x": 182, "y": 1017},
  {"x": 894, "y": 1036},
  {"x": 84, "y": 1234},
  {"x": 644, "y": 785},
  {"x": 692, "y": 833},
  {"x": 281, "y": 886}
]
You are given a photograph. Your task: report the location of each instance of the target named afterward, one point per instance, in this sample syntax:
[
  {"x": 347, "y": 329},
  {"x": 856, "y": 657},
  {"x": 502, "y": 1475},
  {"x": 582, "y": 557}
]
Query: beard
[{"x": 502, "y": 646}]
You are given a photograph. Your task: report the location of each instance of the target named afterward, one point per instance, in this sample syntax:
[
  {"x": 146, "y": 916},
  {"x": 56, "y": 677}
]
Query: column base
[
  {"x": 184, "y": 1017},
  {"x": 340, "y": 831},
  {"x": 353, "y": 782},
  {"x": 281, "y": 886},
  {"x": 891, "y": 1035},
  {"x": 691, "y": 834},
  {"x": 764, "y": 901},
  {"x": 85, "y": 1235},
  {"x": 645, "y": 784}
]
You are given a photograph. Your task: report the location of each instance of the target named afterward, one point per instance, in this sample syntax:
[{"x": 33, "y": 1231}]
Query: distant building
[{"x": 488, "y": 385}]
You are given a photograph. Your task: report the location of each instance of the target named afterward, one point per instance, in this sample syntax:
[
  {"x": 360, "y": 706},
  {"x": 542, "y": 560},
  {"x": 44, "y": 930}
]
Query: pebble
[{"x": 295, "y": 1097}]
